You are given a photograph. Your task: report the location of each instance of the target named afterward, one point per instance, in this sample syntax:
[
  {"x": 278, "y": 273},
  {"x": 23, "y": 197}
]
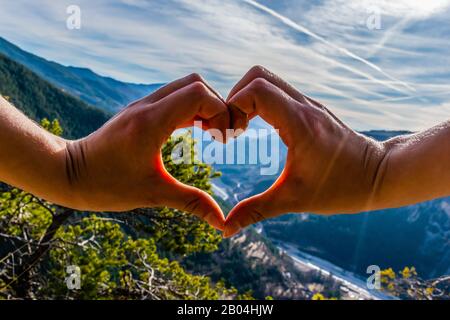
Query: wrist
[
  {"x": 383, "y": 172},
  {"x": 46, "y": 177},
  {"x": 375, "y": 163},
  {"x": 73, "y": 173},
  {"x": 415, "y": 168}
]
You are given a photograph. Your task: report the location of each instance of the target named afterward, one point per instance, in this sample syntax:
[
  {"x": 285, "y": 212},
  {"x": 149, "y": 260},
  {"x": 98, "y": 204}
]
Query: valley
[{"x": 297, "y": 254}]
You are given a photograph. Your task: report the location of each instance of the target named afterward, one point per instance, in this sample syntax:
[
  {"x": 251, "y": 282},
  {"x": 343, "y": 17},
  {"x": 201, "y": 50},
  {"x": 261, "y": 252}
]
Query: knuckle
[
  {"x": 259, "y": 85},
  {"x": 313, "y": 119},
  {"x": 257, "y": 71},
  {"x": 198, "y": 89},
  {"x": 135, "y": 128},
  {"x": 193, "y": 77}
]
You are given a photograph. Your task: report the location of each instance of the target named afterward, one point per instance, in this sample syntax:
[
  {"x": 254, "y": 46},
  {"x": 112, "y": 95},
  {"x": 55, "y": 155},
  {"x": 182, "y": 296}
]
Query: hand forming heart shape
[
  {"x": 329, "y": 167},
  {"x": 316, "y": 178}
]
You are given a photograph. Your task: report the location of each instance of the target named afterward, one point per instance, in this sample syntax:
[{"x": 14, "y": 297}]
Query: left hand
[{"x": 119, "y": 167}]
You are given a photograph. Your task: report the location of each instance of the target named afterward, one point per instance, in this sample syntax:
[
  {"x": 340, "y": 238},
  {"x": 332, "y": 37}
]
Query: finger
[
  {"x": 268, "y": 204},
  {"x": 261, "y": 72},
  {"x": 238, "y": 119},
  {"x": 262, "y": 98},
  {"x": 178, "y": 84},
  {"x": 189, "y": 199},
  {"x": 194, "y": 102}
]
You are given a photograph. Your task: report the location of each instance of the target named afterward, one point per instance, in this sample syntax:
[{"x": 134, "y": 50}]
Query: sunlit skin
[
  {"x": 330, "y": 168},
  {"x": 118, "y": 167}
]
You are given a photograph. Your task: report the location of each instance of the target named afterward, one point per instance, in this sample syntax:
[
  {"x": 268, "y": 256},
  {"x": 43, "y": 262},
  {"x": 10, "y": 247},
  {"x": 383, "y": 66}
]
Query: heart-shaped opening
[{"x": 249, "y": 163}]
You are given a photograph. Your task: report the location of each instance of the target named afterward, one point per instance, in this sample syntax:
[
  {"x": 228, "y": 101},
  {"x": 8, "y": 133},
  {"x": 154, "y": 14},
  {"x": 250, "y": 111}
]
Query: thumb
[
  {"x": 190, "y": 199},
  {"x": 271, "y": 203},
  {"x": 249, "y": 211},
  {"x": 245, "y": 213}
]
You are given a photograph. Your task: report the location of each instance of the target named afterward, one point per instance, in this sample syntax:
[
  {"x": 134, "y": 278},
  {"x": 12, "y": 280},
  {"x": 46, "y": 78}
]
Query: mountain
[
  {"x": 106, "y": 93},
  {"x": 245, "y": 177},
  {"x": 39, "y": 99},
  {"x": 411, "y": 236},
  {"x": 250, "y": 262},
  {"x": 417, "y": 235}
]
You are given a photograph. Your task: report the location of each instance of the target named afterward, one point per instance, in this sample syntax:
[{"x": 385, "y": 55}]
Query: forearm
[
  {"x": 415, "y": 168},
  {"x": 31, "y": 158}
]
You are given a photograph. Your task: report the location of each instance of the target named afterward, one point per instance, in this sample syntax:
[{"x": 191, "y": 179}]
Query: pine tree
[{"x": 121, "y": 256}]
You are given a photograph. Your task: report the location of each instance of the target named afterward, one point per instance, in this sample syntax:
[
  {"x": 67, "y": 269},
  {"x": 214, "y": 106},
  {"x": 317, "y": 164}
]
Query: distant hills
[
  {"x": 417, "y": 235},
  {"x": 103, "y": 92},
  {"x": 46, "y": 89},
  {"x": 39, "y": 99}
]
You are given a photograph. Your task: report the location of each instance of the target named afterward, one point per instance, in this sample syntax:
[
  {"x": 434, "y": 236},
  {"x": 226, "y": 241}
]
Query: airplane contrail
[{"x": 313, "y": 35}]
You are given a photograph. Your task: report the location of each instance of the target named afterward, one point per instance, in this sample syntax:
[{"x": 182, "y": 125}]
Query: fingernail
[{"x": 231, "y": 229}]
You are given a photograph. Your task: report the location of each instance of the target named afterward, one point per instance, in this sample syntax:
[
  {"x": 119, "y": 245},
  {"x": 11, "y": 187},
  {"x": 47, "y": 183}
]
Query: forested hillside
[
  {"x": 39, "y": 99},
  {"x": 103, "y": 92},
  {"x": 114, "y": 253},
  {"x": 415, "y": 235},
  {"x": 119, "y": 256},
  {"x": 158, "y": 253}
]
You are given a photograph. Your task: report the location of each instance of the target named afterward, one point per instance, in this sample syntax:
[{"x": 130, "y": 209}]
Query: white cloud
[
  {"x": 394, "y": 78},
  {"x": 416, "y": 9}
]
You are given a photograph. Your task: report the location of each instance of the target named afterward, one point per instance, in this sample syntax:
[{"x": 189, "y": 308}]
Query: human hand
[
  {"x": 119, "y": 167},
  {"x": 329, "y": 168}
]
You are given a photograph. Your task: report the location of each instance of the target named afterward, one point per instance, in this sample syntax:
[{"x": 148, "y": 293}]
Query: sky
[{"x": 377, "y": 64}]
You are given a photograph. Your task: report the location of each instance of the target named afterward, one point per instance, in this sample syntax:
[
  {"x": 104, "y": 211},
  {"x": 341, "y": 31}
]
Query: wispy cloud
[
  {"x": 395, "y": 78},
  {"x": 331, "y": 45}
]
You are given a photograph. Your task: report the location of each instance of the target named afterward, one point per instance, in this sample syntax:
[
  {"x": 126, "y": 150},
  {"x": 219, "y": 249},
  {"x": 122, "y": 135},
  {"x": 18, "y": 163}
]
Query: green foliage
[
  {"x": 53, "y": 126},
  {"x": 103, "y": 92},
  {"x": 319, "y": 296},
  {"x": 118, "y": 258},
  {"x": 117, "y": 254},
  {"x": 21, "y": 211},
  {"x": 406, "y": 284},
  {"x": 176, "y": 231},
  {"x": 115, "y": 266}
]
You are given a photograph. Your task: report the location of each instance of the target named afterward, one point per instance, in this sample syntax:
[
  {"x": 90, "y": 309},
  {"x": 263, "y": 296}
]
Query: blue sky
[{"x": 395, "y": 77}]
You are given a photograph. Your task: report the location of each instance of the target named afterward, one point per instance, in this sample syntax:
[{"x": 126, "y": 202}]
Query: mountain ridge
[
  {"x": 415, "y": 235},
  {"x": 103, "y": 92},
  {"x": 39, "y": 99},
  {"x": 38, "y": 104}
]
